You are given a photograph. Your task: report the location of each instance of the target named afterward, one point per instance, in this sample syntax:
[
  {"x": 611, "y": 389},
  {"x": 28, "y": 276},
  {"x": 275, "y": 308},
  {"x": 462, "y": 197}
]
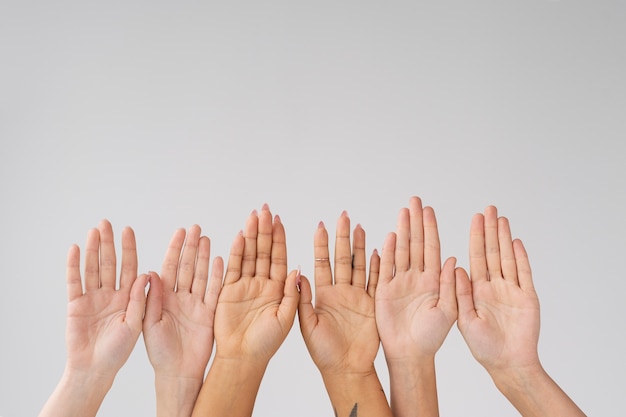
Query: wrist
[
  {"x": 518, "y": 379},
  {"x": 86, "y": 382},
  {"x": 77, "y": 393},
  {"x": 175, "y": 395},
  {"x": 348, "y": 376},
  {"x": 410, "y": 363},
  {"x": 349, "y": 391},
  {"x": 230, "y": 387},
  {"x": 237, "y": 369}
]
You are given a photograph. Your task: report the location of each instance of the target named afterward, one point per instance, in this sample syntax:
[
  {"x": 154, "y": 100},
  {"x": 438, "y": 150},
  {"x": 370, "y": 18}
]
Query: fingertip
[
  {"x": 452, "y": 261},
  {"x": 73, "y": 249},
  {"x": 306, "y": 296},
  {"x": 491, "y": 210},
  {"x": 218, "y": 261},
  {"x": 460, "y": 273}
]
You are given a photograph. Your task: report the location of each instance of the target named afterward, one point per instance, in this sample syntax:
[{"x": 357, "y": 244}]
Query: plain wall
[{"x": 159, "y": 115}]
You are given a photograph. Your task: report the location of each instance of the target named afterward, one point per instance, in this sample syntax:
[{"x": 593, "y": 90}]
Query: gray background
[{"x": 159, "y": 115}]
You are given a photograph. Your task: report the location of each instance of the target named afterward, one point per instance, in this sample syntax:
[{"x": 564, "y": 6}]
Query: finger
[
  {"x": 417, "y": 234},
  {"x": 128, "y": 273},
  {"x": 432, "y": 248},
  {"x": 264, "y": 243},
  {"x": 372, "y": 281},
  {"x": 201, "y": 274},
  {"x": 387, "y": 258},
  {"x": 72, "y": 274},
  {"x": 343, "y": 255},
  {"x": 154, "y": 302},
  {"x": 108, "y": 270},
  {"x": 187, "y": 263},
  {"x": 278, "y": 265},
  {"x": 287, "y": 309},
  {"x": 403, "y": 234},
  {"x": 507, "y": 257},
  {"x": 477, "y": 257},
  {"x": 169, "y": 269},
  {"x": 323, "y": 274},
  {"x": 235, "y": 259},
  {"x": 215, "y": 284},
  {"x": 464, "y": 297},
  {"x": 492, "y": 248},
  {"x": 524, "y": 273},
  {"x": 137, "y": 304},
  {"x": 359, "y": 260},
  {"x": 447, "y": 287},
  {"x": 306, "y": 312},
  {"x": 92, "y": 260},
  {"x": 248, "y": 264}
]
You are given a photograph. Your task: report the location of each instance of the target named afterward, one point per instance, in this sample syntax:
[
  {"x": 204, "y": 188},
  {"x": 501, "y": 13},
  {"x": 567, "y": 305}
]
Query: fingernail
[
  {"x": 265, "y": 206},
  {"x": 298, "y": 278},
  {"x": 321, "y": 225},
  {"x": 276, "y": 219}
]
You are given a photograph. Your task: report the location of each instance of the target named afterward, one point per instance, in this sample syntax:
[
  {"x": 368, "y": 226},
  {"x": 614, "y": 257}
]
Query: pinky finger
[
  {"x": 74, "y": 284},
  {"x": 524, "y": 273}
]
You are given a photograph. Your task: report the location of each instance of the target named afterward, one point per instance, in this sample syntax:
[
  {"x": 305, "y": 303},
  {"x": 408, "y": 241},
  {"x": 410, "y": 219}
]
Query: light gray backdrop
[{"x": 159, "y": 115}]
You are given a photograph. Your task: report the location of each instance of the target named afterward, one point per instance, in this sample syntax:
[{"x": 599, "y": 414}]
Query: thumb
[
  {"x": 137, "y": 302},
  {"x": 447, "y": 287},
  {"x": 464, "y": 297},
  {"x": 154, "y": 302},
  {"x": 291, "y": 297},
  {"x": 306, "y": 312}
]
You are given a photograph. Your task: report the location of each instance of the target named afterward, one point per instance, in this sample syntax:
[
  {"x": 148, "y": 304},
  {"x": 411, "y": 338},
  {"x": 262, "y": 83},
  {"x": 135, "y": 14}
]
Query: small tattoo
[{"x": 352, "y": 413}]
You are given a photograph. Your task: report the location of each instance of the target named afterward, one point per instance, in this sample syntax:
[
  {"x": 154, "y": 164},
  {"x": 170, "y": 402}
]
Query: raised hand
[
  {"x": 178, "y": 326},
  {"x": 498, "y": 309},
  {"x": 415, "y": 309},
  {"x": 103, "y": 321},
  {"x": 415, "y": 298},
  {"x": 499, "y": 319},
  {"x": 340, "y": 330},
  {"x": 255, "y": 312}
]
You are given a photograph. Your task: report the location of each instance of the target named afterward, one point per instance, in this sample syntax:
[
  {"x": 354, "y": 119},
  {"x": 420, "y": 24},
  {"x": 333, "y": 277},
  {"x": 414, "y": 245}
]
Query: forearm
[
  {"x": 356, "y": 394},
  {"x": 534, "y": 394},
  {"x": 230, "y": 388},
  {"x": 413, "y": 388},
  {"x": 176, "y": 397},
  {"x": 77, "y": 394}
]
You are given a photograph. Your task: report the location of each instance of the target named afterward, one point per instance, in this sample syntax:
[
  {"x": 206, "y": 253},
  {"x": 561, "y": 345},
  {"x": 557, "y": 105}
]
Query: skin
[
  {"x": 255, "y": 312},
  {"x": 178, "y": 325},
  {"x": 499, "y": 319},
  {"x": 103, "y": 322},
  {"x": 340, "y": 329},
  {"x": 415, "y": 309}
]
